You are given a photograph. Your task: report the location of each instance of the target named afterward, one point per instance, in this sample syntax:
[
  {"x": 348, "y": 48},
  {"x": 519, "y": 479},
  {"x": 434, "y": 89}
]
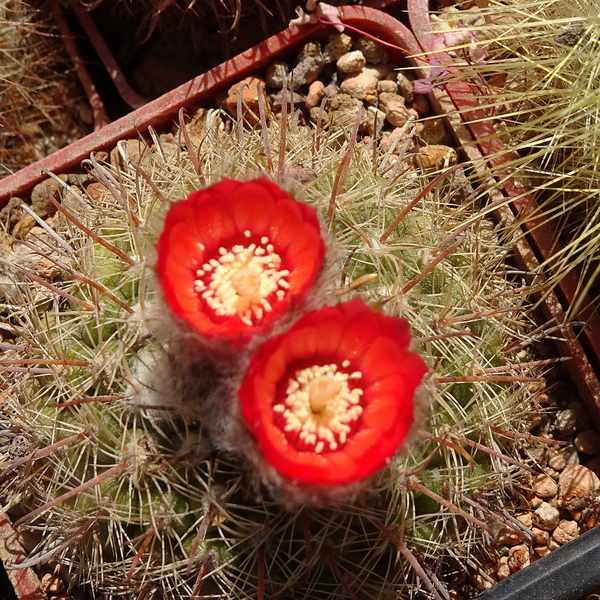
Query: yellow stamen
[
  {"x": 239, "y": 281},
  {"x": 321, "y": 406}
]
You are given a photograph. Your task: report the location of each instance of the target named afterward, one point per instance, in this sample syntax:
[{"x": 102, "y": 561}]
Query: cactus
[
  {"x": 120, "y": 480},
  {"x": 542, "y": 86}
]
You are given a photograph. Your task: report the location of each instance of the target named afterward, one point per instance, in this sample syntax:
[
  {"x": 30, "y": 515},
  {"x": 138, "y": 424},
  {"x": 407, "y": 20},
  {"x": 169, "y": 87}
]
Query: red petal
[
  {"x": 310, "y": 215},
  {"x": 399, "y": 330},
  {"x": 382, "y": 358},
  {"x": 364, "y": 447},
  {"x": 300, "y": 344},
  {"x": 253, "y": 207},
  {"x": 184, "y": 246},
  {"x": 381, "y": 413},
  {"x": 178, "y": 284},
  {"x": 216, "y": 226},
  {"x": 341, "y": 468},
  {"x": 276, "y": 365},
  {"x": 330, "y": 328},
  {"x": 285, "y": 221},
  {"x": 354, "y": 308},
  {"x": 305, "y": 254},
  {"x": 359, "y": 332}
]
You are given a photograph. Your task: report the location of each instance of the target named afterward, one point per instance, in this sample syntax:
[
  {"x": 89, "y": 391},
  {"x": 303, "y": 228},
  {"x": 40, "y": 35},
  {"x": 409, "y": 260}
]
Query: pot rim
[{"x": 202, "y": 89}]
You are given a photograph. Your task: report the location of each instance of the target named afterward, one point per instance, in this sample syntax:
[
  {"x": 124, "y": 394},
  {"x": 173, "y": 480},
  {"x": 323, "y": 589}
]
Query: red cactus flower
[
  {"x": 232, "y": 258},
  {"x": 331, "y": 400}
]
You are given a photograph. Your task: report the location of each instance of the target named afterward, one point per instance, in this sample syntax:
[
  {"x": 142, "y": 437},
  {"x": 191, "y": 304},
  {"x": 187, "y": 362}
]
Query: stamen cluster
[
  {"x": 320, "y": 407},
  {"x": 243, "y": 281}
]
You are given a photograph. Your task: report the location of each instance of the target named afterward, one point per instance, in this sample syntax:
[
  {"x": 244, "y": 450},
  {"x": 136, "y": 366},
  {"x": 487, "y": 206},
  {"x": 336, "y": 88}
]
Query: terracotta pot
[{"x": 475, "y": 131}]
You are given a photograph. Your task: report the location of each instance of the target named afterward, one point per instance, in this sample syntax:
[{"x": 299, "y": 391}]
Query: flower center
[
  {"x": 243, "y": 281},
  {"x": 320, "y": 407}
]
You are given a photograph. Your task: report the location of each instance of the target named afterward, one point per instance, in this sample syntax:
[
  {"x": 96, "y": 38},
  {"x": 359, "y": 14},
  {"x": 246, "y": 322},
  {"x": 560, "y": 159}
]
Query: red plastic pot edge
[
  {"x": 480, "y": 141},
  {"x": 25, "y": 581},
  {"x": 201, "y": 89}
]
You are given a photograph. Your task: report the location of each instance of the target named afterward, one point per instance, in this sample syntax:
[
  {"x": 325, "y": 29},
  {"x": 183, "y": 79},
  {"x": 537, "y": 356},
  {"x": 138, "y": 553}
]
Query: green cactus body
[{"x": 154, "y": 508}]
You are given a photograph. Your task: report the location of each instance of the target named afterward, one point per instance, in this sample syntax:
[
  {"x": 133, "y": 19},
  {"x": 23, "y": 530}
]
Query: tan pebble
[
  {"x": 503, "y": 568},
  {"x": 576, "y": 514},
  {"x": 435, "y": 157},
  {"x": 97, "y": 192},
  {"x": 552, "y": 473},
  {"x": 518, "y": 558},
  {"x": 526, "y": 519},
  {"x": 351, "y": 62},
  {"x": 196, "y": 126},
  {"x": 338, "y": 44},
  {"x": 379, "y": 71},
  {"x": 565, "y": 422},
  {"x": 300, "y": 173},
  {"x": 102, "y": 156},
  {"x": 544, "y": 486},
  {"x": 587, "y": 442},
  {"x": 481, "y": 582},
  {"x": 330, "y": 91},
  {"x": 315, "y": 94},
  {"x": 276, "y": 74},
  {"x": 276, "y": 100},
  {"x": 542, "y": 550},
  {"x": 405, "y": 87},
  {"x": 505, "y": 535},
  {"x": 253, "y": 87},
  {"x": 315, "y": 112},
  {"x": 386, "y": 97},
  {"x": 432, "y": 131},
  {"x": 546, "y": 516},
  {"x": 421, "y": 104},
  {"x": 375, "y": 120},
  {"x": 590, "y": 518},
  {"x": 387, "y": 86},
  {"x": 372, "y": 50},
  {"x": 555, "y": 460},
  {"x": 343, "y": 111},
  {"x": 388, "y": 141},
  {"x": 565, "y": 532},
  {"x": 40, "y": 201},
  {"x": 413, "y": 113},
  {"x": 542, "y": 399},
  {"x": 23, "y": 227},
  {"x": 535, "y": 502},
  {"x": 12, "y": 212},
  {"x": 396, "y": 113},
  {"x": 52, "y": 584},
  {"x": 46, "y": 268},
  {"x": 129, "y": 151},
  {"x": 571, "y": 455},
  {"x": 361, "y": 86},
  {"x": 552, "y": 545},
  {"x": 578, "y": 487},
  {"x": 541, "y": 536}
]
